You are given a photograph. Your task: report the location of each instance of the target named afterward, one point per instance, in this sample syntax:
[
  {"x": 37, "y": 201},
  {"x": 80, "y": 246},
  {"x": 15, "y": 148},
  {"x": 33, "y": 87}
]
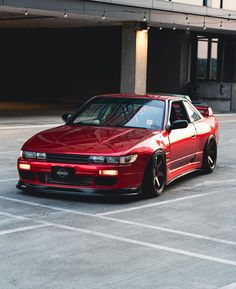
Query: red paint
[{"x": 183, "y": 148}]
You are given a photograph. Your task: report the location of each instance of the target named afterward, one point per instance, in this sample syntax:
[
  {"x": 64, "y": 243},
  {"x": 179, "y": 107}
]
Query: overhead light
[
  {"x": 174, "y": 27},
  {"x": 160, "y": 28},
  {"x": 187, "y": 18},
  {"x": 104, "y": 15},
  {"x": 147, "y": 29},
  {"x": 144, "y": 17},
  {"x": 188, "y": 28},
  {"x": 65, "y": 14},
  {"x": 26, "y": 12},
  {"x": 204, "y": 23},
  {"x": 142, "y": 26}
]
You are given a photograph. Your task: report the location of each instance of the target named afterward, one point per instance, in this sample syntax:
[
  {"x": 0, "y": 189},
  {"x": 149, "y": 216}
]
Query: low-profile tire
[
  {"x": 209, "y": 156},
  {"x": 155, "y": 176}
]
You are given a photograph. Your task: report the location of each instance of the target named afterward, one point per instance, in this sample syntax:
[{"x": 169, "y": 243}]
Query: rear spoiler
[{"x": 203, "y": 108}]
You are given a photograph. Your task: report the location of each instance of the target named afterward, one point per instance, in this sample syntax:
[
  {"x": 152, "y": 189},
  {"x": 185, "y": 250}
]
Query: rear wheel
[
  {"x": 155, "y": 176},
  {"x": 209, "y": 156}
]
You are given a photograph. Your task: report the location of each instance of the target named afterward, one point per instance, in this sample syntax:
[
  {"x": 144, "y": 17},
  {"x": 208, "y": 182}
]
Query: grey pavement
[{"x": 186, "y": 238}]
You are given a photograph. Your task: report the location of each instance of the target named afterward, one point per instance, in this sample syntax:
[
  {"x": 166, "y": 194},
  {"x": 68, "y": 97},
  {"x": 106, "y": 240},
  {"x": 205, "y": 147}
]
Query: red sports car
[{"x": 121, "y": 144}]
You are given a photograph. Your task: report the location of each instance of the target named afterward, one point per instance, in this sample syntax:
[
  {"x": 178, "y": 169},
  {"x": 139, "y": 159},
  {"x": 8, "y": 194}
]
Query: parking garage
[
  {"x": 183, "y": 239},
  {"x": 74, "y": 50}
]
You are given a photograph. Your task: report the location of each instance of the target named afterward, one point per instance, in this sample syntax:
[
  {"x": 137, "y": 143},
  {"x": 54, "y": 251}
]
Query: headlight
[
  {"x": 97, "y": 159},
  {"x": 128, "y": 159},
  {"x": 29, "y": 155},
  {"x": 33, "y": 155},
  {"x": 41, "y": 156},
  {"x": 113, "y": 160}
]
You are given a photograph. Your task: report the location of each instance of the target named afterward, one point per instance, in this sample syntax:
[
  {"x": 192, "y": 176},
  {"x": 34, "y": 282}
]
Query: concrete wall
[{"x": 220, "y": 96}]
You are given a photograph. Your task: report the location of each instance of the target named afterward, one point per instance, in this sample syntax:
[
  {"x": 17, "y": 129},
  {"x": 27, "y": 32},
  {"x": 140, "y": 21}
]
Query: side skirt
[{"x": 185, "y": 170}]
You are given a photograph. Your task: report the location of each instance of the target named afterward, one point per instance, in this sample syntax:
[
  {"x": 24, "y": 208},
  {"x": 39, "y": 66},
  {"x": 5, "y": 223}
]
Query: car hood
[{"x": 87, "y": 139}]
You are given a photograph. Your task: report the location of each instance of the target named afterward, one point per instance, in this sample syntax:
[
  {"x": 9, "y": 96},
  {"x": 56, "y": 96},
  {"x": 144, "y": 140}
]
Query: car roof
[{"x": 159, "y": 96}]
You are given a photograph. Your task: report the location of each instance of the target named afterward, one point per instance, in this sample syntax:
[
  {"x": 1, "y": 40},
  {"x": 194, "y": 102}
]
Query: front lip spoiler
[{"x": 79, "y": 191}]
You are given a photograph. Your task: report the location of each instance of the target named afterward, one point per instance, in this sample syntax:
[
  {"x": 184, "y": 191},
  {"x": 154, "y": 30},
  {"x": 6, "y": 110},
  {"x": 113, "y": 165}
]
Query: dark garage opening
[
  {"x": 59, "y": 64},
  {"x": 164, "y": 61}
]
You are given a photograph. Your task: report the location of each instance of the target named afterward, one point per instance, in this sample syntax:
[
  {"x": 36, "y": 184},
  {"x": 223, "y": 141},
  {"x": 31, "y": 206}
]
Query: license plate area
[{"x": 62, "y": 173}]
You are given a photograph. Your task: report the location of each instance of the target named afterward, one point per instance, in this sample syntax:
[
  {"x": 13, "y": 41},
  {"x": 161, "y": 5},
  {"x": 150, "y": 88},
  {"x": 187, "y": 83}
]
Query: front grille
[
  {"x": 67, "y": 158},
  {"x": 74, "y": 180}
]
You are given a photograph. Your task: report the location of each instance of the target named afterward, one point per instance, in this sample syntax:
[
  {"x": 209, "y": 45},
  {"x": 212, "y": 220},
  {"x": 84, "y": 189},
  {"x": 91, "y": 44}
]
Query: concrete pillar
[{"x": 134, "y": 60}]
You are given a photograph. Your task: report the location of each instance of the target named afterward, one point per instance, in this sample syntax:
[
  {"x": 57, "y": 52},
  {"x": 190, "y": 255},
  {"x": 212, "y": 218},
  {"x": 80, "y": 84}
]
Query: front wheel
[
  {"x": 155, "y": 176},
  {"x": 209, "y": 156}
]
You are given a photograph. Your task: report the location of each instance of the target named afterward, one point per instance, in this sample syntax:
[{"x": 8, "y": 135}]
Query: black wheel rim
[
  {"x": 158, "y": 173},
  {"x": 211, "y": 154}
]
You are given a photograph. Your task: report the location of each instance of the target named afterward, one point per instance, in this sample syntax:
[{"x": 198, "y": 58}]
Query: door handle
[{"x": 193, "y": 136}]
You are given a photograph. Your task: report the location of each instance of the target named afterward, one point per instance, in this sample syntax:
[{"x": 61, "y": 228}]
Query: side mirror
[
  {"x": 65, "y": 117},
  {"x": 177, "y": 125}
]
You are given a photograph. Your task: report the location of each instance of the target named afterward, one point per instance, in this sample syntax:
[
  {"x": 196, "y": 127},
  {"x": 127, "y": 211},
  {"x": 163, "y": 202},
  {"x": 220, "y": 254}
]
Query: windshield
[{"x": 121, "y": 112}]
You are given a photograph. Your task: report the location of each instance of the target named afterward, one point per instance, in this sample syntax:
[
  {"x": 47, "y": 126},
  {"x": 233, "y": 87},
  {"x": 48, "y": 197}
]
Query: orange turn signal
[
  {"x": 24, "y": 166},
  {"x": 108, "y": 173}
]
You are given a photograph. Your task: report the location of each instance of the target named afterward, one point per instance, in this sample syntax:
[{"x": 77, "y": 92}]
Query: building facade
[{"x": 75, "y": 48}]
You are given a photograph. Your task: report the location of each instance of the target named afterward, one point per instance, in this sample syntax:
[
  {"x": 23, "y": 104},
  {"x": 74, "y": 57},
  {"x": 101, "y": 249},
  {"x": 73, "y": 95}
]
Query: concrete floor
[{"x": 183, "y": 239}]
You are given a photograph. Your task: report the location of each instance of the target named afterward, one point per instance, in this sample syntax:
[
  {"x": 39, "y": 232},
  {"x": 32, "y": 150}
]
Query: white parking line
[
  {"x": 110, "y": 212},
  {"x": 121, "y": 239},
  {"x": 168, "y": 230},
  {"x": 15, "y": 156},
  {"x": 8, "y": 180},
  {"x": 13, "y": 216},
  {"x": 230, "y": 286},
  {"x": 30, "y": 126},
  {"x": 160, "y": 203},
  {"x": 146, "y": 244},
  {"x": 22, "y": 229},
  {"x": 178, "y": 232},
  {"x": 227, "y": 121},
  {"x": 207, "y": 183},
  {"x": 9, "y": 152},
  {"x": 225, "y": 114},
  {"x": 45, "y": 206}
]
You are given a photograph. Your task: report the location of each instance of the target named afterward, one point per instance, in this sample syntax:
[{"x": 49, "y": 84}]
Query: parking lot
[{"x": 183, "y": 239}]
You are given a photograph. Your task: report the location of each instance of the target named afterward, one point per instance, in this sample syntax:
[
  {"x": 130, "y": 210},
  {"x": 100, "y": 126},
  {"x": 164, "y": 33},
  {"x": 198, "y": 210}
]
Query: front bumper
[
  {"x": 86, "y": 178},
  {"x": 77, "y": 191}
]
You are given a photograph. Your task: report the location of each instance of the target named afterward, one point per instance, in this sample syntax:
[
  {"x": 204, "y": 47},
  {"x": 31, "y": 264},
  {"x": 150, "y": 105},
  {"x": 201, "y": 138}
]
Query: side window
[
  {"x": 178, "y": 112},
  {"x": 193, "y": 115}
]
